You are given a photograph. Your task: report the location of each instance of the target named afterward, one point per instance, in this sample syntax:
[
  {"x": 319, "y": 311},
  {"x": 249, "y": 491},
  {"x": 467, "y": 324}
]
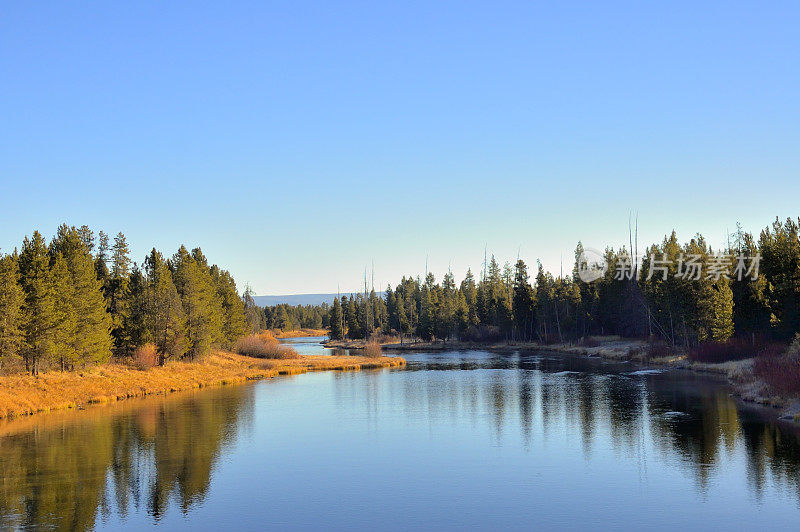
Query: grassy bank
[
  {"x": 299, "y": 333},
  {"x": 25, "y": 395}
]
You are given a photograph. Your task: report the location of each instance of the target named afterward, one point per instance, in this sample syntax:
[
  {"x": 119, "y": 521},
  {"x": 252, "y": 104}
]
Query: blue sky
[{"x": 298, "y": 142}]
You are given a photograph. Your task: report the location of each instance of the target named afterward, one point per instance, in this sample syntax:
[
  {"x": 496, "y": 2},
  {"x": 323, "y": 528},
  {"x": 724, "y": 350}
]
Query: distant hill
[{"x": 297, "y": 299}]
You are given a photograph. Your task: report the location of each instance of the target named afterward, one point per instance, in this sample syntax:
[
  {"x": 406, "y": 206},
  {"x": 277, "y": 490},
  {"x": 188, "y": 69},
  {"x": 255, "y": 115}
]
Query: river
[{"x": 455, "y": 440}]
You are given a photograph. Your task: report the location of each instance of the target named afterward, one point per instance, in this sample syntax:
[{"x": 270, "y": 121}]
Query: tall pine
[{"x": 12, "y": 298}]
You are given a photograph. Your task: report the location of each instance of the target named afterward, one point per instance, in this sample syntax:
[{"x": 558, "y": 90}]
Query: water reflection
[
  {"x": 312, "y": 345},
  {"x": 459, "y": 419},
  {"x": 59, "y": 470},
  {"x": 688, "y": 418}
]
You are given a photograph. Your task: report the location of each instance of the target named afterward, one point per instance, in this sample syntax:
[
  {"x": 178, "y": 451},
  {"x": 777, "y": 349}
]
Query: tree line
[
  {"x": 509, "y": 302},
  {"x": 80, "y": 300},
  {"x": 292, "y": 317}
]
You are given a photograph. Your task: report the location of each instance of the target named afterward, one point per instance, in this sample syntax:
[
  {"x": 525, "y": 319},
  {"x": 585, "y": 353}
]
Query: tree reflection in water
[
  {"x": 145, "y": 457},
  {"x": 60, "y": 470}
]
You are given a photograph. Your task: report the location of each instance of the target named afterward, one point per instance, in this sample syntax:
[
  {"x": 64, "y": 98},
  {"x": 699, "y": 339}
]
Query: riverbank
[
  {"x": 25, "y": 395},
  {"x": 299, "y": 333},
  {"x": 739, "y": 373}
]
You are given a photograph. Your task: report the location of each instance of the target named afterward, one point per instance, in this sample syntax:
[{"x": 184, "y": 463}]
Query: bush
[
  {"x": 794, "y": 348},
  {"x": 589, "y": 341},
  {"x": 264, "y": 346},
  {"x": 717, "y": 352},
  {"x": 772, "y": 350},
  {"x": 780, "y": 373},
  {"x": 145, "y": 357},
  {"x": 381, "y": 338},
  {"x": 482, "y": 333},
  {"x": 372, "y": 350},
  {"x": 659, "y": 350}
]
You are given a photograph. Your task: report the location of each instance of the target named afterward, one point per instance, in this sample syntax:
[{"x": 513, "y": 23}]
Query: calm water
[
  {"x": 455, "y": 440},
  {"x": 311, "y": 345}
]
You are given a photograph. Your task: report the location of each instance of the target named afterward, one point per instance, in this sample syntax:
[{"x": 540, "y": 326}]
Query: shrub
[
  {"x": 794, "y": 348},
  {"x": 716, "y": 352},
  {"x": 482, "y": 333},
  {"x": 145, "y": 357},
  {"x": 264, "y": 346},
  {"x": 780, "y": 373},
  {"x": 372, "y": 350},
  {"x": 772, "y": 350},
  {"x": 659, "y": 350},
  {"x": 589, "y": 341},
  {"x": 382, "y": 338}
]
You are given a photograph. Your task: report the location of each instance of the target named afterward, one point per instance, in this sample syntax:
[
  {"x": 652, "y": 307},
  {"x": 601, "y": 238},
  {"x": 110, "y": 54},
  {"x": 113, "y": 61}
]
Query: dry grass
[
  {"x": 385, "y": 339},
  {"x": 299, "y": 333},
  {"x": 372, "y": 350},
  {"x": 24, "y": 394},
  {"x": 264, "y": 345}
]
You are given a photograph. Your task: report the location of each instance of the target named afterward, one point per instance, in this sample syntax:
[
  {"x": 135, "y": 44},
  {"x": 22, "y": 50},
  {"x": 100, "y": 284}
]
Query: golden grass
[
  {"x": 24, "y": 395},
  {"x": 299, "y": 333}
]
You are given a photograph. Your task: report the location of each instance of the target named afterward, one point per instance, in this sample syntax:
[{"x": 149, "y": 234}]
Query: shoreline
[
  {"x": 24, "y": 395},
  {"x": 299, "y": 333},
  {"x": 745, "y": 386}
]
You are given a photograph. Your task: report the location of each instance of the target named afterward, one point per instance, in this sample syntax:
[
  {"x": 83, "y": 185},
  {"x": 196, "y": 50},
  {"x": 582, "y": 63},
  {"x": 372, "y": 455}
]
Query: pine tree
[
  {"x": 351, "y": 318},
  {"x": 118, "y": 294},
  {"x": 12, "y": 299},
  {"x": 39, "y": 320},
  {"x": 86, "y": 236},
  {"x": 780, "y": 248},
  {"x": 165, "y": 315},
  {"x": 336, "y": 320},
  {"x": 427, "y": 315},
  {"x": 446, "y": 325},
  {"x": 252, "y": 312},
  {"x": 201, "y": 304},
  {"x": 234, "y": 322},
  {"x": 722, "y": 308},
  {"x": 65, "y": 326},
  {"x": 101, "y": 261},
  {"x": 134, "y": 329},
  {"x": 469, "y": 289},
  {"x": 523, "y": 301},
  {"x": 89, "y": 339}
]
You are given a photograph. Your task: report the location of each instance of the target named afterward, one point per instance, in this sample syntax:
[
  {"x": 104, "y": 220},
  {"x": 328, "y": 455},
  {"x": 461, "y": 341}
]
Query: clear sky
[{"x": 298, "y": 142}]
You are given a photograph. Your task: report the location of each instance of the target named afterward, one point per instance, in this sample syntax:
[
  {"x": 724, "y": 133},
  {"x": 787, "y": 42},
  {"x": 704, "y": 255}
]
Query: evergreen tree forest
[
  {"x": 517, "y": 302},
  {"x": 292, "y": 317},
  {"x": 80, "y": 300}
]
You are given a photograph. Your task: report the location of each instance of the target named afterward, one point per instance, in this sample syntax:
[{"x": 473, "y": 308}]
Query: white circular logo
[{"x": 591, "y": 265}]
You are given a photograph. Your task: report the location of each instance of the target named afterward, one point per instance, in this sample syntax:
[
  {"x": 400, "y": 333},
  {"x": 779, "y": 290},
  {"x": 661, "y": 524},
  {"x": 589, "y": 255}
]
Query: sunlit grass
[
  {"x": 299, "y": 333},
  {"x": 24, "y": 394}
]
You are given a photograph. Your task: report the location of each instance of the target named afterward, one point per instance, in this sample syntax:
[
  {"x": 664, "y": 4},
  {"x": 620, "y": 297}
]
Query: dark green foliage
[
  {"x": 62, "y": 307},
  {"x": 780, "y": 250},
  {"x": 202, "y": 305},
  {"x": 680, "y": 310},
  {"x": 289, "y": 318},
  {"x": 39, "y": 325},
  {"x": 254, "y": 315},
  {"x": 234, "y": 322},
  {"x": 336, "y": 320},
  {"x": 12, "y": 299},
  {"x": 85, "y": 325},
  {"x": 165, "y": 319}
]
